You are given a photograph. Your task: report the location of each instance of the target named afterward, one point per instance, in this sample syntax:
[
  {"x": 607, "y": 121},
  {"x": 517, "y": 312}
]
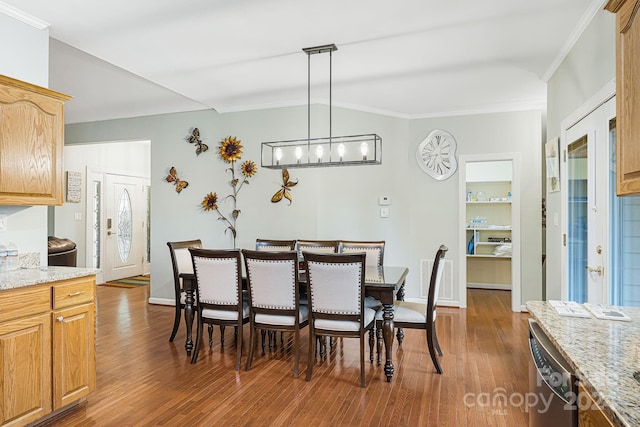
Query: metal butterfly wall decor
[
  {"x": 194, "y": 138},
  {"x": 173, "y": 177},
  {"x": 284, "y": 191}
]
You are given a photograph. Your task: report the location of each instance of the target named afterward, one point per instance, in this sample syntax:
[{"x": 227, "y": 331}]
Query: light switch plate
[
  {"x": 3, "y": 223},
  {"x": 384, "y": 212},
  {"x": 78, "y": 216}
]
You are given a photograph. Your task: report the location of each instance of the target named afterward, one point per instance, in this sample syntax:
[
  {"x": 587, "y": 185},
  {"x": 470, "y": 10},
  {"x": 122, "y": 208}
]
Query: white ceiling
[{"x": 408, "y": 58}]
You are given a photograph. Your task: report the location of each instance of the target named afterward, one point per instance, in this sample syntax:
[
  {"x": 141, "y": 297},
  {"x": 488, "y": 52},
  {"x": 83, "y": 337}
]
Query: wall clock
[{"x": 436, "y": 155}]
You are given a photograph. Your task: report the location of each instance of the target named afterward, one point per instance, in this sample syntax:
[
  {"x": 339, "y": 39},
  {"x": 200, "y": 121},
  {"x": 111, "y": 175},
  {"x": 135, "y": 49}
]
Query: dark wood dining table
[{"x": 383, "y": 283}]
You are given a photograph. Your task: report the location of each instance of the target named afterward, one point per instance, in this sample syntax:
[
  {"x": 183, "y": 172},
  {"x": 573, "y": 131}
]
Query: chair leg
[
  {"x": 362, "y": 376},
  {"x": 371, "y": 342},
  {"x": 196, "y": 350},
  {"x": 296, "y": 352},
  {"x": 379, "y": 341},
  {"x": 239, "y": 351},
  {"x": 312, "y": 352},
  {"x": 176, "y": 321},
  {"x": 253, "y": 340},
  {"x": 263, "y": 333},
  {"x": 210, "y": 335},
  {"x": 435, "y": 341},
  {"x": 222, "y": 335},
  {"x": 432, "y": 351}
]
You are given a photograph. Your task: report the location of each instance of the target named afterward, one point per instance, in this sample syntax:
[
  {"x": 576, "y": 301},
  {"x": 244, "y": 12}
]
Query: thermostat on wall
[{"x": 384, "y": 200}]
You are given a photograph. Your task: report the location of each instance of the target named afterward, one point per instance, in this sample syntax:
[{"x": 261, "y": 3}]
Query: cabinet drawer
[
  {"x": 25, "y": 301},
  {"x": 73, "y": 292}
]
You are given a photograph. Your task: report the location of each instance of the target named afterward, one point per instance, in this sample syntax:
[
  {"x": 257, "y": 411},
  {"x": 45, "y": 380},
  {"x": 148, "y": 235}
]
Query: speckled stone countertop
[
  {"x": 604, "y": 354},
  {"x": 34, "y": 276}
]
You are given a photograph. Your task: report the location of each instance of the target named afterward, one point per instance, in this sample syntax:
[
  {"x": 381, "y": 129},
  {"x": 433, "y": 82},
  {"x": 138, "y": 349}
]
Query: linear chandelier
[{"x": 349, "y": 150}]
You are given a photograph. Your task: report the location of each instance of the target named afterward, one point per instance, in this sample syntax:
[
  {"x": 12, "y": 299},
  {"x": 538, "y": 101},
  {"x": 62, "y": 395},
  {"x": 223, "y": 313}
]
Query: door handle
[{"x": 599, "y": 270}]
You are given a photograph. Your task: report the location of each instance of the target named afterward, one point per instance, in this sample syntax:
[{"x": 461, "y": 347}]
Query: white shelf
[
  {"x": 487, "y": 202},
  {"x": 488, "y": 229},
  {"x": 491, "y": 243},
  {"x": 488, "y": 256}
]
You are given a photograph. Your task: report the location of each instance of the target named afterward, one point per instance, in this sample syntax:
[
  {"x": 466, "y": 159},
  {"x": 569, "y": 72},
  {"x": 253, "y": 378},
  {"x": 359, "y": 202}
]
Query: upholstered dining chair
[
  {"x": 335, "y": 285},
  {"x": 181, "y": 262},
  {"x": 317, "y": 246},
  {"x": 219, "y": 296},
  {"x": 274, "y": 298},
  {"x": 275, "y": 245},
  {"x": 375, "y": 258},
  {"x": 422, "y": 316},
  {"x": 373, "y": 249}
]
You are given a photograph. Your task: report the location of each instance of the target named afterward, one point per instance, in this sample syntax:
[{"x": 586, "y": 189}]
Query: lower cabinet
[
  {"x": 47, "y": 348},
  {"x": 590, "y": 413},
  {"x": 74, "y": 360},
  {"x": 25, "y": 353}
]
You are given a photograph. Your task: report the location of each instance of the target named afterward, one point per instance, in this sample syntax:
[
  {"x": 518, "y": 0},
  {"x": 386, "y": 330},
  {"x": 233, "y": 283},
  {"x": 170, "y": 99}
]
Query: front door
[
  {"x": 125, "y": 226},
  {"x": 586, "y": 164}
]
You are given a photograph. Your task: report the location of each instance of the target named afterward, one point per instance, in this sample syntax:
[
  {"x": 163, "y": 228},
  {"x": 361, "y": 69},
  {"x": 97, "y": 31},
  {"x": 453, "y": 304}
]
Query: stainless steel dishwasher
[{"x": 552, "y": 385}]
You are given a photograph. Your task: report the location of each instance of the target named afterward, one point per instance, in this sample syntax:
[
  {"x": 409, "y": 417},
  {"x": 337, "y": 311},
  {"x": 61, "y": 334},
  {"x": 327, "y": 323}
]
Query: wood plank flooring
[{"x": 143, "y": 380}]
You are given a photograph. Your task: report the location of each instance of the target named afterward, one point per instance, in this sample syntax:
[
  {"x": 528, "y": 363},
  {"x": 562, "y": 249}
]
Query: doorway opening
[{"x": 490, "y": 225}]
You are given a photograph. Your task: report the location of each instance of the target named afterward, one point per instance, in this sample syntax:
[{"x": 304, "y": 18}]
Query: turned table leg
[
  {"x": 387, "y": 333},
  {"x": 188, "y": 318}
]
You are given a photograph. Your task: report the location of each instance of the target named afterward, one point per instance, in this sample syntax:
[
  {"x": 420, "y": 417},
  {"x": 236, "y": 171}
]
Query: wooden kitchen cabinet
[
  {"x": 627, "y": 94},
  {"x": 25, "y": 355},
  {"x": 25, "y": 347},
  {"x": 47, "y": 348},
  {"x": 31, "y": 142},
  {"x": 74, "y": 358},
  {"x": 590, "y": 413}
]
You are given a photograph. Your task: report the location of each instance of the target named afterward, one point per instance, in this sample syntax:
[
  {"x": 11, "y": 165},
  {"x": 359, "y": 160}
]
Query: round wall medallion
[{"x": 436, "y": 155}]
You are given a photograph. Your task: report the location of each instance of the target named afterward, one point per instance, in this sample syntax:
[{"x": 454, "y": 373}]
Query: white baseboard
[{"x": 162, "y": 301}]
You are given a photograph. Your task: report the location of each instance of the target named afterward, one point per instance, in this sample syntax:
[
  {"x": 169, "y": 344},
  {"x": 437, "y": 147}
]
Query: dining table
[{"x": 385, "y": 283}]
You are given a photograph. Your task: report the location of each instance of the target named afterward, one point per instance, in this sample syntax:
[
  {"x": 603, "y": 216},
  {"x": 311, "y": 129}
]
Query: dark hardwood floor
[{"x": 143, "y": 380}]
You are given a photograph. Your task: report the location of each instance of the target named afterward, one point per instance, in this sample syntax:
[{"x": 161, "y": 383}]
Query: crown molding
[
  {"x": 24, "y": 17},
  {"x": 534, "y": 104},
  {"x": 586, "y": 19}
]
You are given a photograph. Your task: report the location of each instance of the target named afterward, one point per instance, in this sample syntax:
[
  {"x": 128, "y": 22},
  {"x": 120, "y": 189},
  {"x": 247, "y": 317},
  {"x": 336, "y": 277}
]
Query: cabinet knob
[{"x": 59, "y": 318}]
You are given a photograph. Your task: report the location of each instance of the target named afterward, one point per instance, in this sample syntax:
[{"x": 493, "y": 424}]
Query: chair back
[
  {"x": 181, "y": 260},
  {"x": 317, "y": 247},
  {"x": 218, "y": 275},
  {"x": 272, "y": 280},
  {"x": 374, "y": 250},
  {"x": 275, "y": 245},
  {"x": 335, "y": 285},
  {"x": 434, "y": 284}
]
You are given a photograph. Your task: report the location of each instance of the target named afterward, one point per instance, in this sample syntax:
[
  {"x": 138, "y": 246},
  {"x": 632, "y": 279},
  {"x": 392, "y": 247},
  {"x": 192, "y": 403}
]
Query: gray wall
[
  {"x": 589, "y": 66},
  {"x": 338, "y": 202}
]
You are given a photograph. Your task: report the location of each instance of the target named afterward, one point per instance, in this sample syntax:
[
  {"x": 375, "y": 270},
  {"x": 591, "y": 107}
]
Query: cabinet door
[
  {"x": 31, "y": 141},
  {"x": 627, "y": 95},
  {"x": 25, "y": 376},
  {"x": 74, "y": 357}
]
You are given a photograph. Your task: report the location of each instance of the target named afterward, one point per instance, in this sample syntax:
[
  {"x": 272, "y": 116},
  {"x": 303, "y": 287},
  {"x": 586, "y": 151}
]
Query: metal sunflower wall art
[
  {"x": 230, "y": 151},
  {"x": 194, "y": 138},
  {"x": 284, "y": 191}
]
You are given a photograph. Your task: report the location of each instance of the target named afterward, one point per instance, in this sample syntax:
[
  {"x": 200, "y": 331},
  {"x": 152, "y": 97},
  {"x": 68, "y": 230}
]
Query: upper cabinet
[
  {"x": 627, "y": 94},
  {"x": 31, "y": 142}
]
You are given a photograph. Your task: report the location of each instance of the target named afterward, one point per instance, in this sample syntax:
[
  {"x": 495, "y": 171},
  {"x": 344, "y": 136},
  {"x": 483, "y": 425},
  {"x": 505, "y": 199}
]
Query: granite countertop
[
  {"x": 35, "y": 276},
  {"x": 604, "y": 354}
]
